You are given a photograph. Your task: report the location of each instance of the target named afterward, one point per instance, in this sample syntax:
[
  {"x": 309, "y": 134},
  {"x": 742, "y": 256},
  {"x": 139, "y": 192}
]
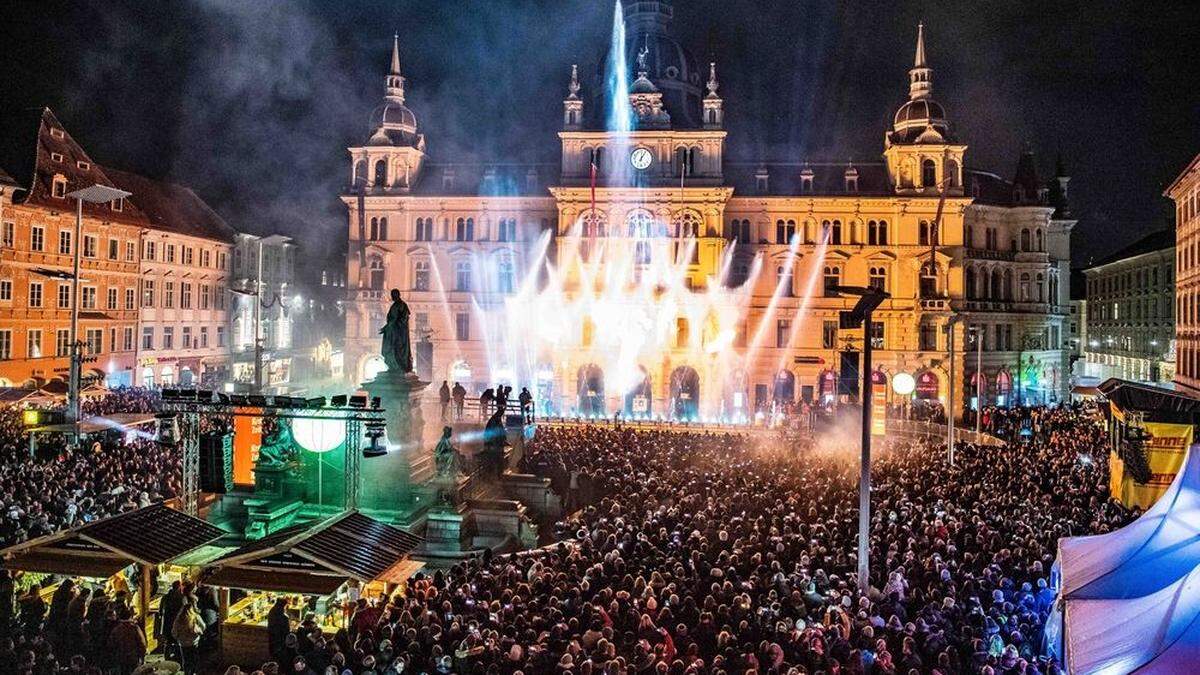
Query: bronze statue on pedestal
[{"x": 397, "y": 345}]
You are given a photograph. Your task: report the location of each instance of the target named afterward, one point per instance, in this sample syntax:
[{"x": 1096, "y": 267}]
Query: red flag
[{"x": 593, "y": 186}]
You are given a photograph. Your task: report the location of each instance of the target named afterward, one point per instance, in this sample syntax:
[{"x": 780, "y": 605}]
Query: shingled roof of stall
[
  {"x": 153, "y": 535},
  {"x": 317, "y": 558}
]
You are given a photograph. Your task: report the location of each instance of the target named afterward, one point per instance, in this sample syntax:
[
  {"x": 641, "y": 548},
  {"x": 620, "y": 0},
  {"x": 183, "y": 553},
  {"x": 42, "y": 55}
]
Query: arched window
[
  {"x": 1008, "y": 285},
  {"x": 784, "y": 231},
  {"x": 470, "y": 229},
  {"x": 460, "y": 229},
  {"x": 925, "y": 233},
  {"x": 421, "y": 275},
  {"x": 374, "y": 232},
  {"x": 1041, "y": 287},
  {"x": 506, "y": 276},
  {"x": 382, "y": 228},
  {"x": 1025, "y": 241},
  {"x": 593, "y": 223},
  {"x": 375, "y": 273},
  {"x": 972, "y": 291},
  {"x": 952, "y": 173},
  {"x": 741, "y": 231},
  {"x": 832, "y": 279},
  {"x": 685, "y": 160},
  {"x": 687, "y": 224},
  {"x": 877, "y": 278},
  {"x": 929, "y": 280},
  {"x": 835, "y": 236},
  {"x": 424, "y": 229},
  {"x": 1041, "y": 240},
  {"x": 462, "y": 275},
  {"x": 970, "y": 236},
  {"x": 598, "y": 159},
  {"x": 508, "y": 229},
  {"x": 360, "y": 173},
  {"x": 872, "y": 233},
  {"x": 928, "y": 173},
  {"x": 1026, "y": 291},
  {"x": 883, "y": 233},
  {"x": 380, "y": 173}
]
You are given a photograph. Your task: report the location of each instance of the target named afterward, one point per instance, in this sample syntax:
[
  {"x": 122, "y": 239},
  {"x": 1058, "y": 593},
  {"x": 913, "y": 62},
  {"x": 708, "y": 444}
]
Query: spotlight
[
  {"x": 338, "y": 401},
  {"x": 223, "y": 399},
  {"x": 239, "y": 399},
  {"x": 170, "y": 394},
  {"x": 205, "y": 396},
  {"x": 257, "y": 400},
  {"x": 374, "y": 403},
  {"x": 315, "y": 402},
  {"x": 358, "y": 401}
]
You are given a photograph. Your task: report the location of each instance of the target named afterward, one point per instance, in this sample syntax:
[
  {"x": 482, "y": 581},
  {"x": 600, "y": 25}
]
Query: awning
[
  {"x": 401, "y": 572},
  {"x": 1144, "y": 397},
  {"x": 71, "y": 564},
  {"x": 1087, "y": 391}
]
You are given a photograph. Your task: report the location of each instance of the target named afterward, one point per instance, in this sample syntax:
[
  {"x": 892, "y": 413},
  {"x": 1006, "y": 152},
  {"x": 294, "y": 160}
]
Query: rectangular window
[
  {"x": 90, "y": 246},
  {"x": 206, "y": 258},
  {"x": 89, "y": 297},
  {"x": 130, "y": 251},
  {"x": 168, "y": 299},
  {"x": 64, "y": 296},
  {"x": 462, "y": 327},
  {"x": 219, "y": 298},
  {"x": 127, "y": 343},
  {"x": 64, "y": 242},
  {"x": 221, "y": 260},
  {"x": 151, "y": 249},
  {"x": 185, "y": 295},
  {"x": 832, "y": 279},
  {"x": 113, "y": 298},
  {"x": 204, "y": 296},
  {"x": 35, "y": 294},
  {"x": 927, "y": 338},
  {"x": 62, "y": 342},
  {"x": 9, "y": 239},
  {"x": 829, "y": 333},
  {"x": 462, "y": 276},
  {"x": 33, "y": 343},
  {"x": 148, "y": 293},
  {"x": 877, "y": 341},
  {"x": 114, "y": 249},
  {"x": 169, "y": 250},
  {"x": 129, "y": 298},
  {"x": 148, "y": 338},
  {"x": 37, "y": 238},
  {"x": 220, "y": 336},
  {"x": 204, "y": 337},
  {"x": 5, "y": 344},
  {"x": 188, "y": 255},
  {"x": 5, "y": 290},
  {"x": 168, "y": 338},
  {"x": 187, "y": 337},
  {"x": 94, "y": 341},
  {"x": 783, "y": 331}
]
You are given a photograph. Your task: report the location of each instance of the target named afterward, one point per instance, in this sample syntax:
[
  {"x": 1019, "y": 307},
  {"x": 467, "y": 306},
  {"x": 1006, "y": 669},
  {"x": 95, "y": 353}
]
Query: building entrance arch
[{"x": 685, "y": 393}]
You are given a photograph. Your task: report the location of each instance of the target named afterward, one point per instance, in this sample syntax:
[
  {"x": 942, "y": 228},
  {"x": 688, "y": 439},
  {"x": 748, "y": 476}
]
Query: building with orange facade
[
  {"x": 1185, "y": 192},
  {"x": 117, "y": 277}
]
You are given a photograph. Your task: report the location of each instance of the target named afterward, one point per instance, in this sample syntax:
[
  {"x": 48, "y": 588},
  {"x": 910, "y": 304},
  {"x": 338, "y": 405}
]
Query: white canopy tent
[{"x": 1130, "y": 599}]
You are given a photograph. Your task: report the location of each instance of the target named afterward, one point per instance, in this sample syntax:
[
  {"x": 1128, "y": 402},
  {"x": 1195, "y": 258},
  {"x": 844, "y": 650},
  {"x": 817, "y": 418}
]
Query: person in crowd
[
  {"x": 127, "y": 642},
  {"x": 526, "y": 401},
  {"x": 444, "y": 400},
  {"x": 486, "y": 400},
  {"x": 459, "y": 394},
  {"x": 279, "y": 626},
  {"x": 187, "y": 630}
]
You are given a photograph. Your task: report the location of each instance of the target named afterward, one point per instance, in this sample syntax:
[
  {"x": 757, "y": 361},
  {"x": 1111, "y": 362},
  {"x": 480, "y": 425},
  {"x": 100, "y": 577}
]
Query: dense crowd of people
[{"x": 690, "y": 552}]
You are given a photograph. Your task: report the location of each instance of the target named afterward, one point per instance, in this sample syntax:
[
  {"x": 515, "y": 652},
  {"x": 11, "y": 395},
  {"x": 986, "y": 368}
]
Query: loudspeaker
[
  {"x": 849, "y": 374},
  {"x": 216, "y": 463}
]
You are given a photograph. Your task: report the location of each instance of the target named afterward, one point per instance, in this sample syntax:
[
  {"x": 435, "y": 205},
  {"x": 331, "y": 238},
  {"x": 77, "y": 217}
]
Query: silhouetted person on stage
[
  {"x": 460, "y": 396},
  {"x": 526, "y": 401},
  {"x": 494, "y": 441},
  {"x": 486, "y": 399},
  {"x": 444, "y": 399}
]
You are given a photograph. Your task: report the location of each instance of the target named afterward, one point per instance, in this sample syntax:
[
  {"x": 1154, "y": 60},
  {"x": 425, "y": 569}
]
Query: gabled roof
[
  {"x": 317, "y": 558},
  {"x": 172, "y": 207},
  {"x": 153, "y": 535}
]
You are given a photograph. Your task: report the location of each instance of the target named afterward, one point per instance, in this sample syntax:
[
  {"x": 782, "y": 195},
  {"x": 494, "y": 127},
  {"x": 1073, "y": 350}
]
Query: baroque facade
[
  {"x": 758, "y": 246},
  {"x": 153, "y": 274}
]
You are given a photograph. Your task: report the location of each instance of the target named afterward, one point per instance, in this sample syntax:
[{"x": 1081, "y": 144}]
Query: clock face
[{"x": 640, "y": 159}]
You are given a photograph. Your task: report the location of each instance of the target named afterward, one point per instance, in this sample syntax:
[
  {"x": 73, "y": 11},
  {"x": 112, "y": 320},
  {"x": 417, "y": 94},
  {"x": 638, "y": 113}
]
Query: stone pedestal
[
  {"x": 388, "y": 481},
  {"x": 443, "y": 530}
]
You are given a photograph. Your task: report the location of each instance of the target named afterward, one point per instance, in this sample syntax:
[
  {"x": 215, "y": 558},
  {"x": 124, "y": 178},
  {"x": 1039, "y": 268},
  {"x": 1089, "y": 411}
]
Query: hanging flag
[{"x": 593, "y": 186}]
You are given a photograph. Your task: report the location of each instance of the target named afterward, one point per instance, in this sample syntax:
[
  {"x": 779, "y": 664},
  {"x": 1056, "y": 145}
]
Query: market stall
[
  {"x": 125, "y": 552},
  {"x": 321, "y": 567}
]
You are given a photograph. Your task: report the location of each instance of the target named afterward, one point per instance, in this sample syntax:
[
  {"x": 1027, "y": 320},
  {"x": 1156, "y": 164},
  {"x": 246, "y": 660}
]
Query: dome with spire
[
  {"x": 920, "y": 119},
  {"x": 392, "y": 123}
]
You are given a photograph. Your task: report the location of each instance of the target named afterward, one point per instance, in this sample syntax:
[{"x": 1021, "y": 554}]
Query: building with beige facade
[
  {"x": 645, "y": 272},
  {"x": 1185, "y": 192}
]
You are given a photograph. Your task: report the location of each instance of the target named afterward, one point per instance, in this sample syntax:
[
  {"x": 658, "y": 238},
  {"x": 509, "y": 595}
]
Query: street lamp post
[
  {"x": 258, "y": 285},
  {"x": 950, "y": 401},
  {"x": 96, "y": 194},
  {"x": 868, "y": 299},
  {"x": 979, "y": 381}
]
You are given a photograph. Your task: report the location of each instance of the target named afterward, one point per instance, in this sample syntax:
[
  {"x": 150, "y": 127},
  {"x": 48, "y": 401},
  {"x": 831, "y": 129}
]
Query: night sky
[{"x": 253, "y": 102}]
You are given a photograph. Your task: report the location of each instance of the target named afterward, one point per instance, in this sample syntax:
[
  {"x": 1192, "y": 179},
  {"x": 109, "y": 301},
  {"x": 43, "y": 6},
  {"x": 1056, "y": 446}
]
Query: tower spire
[
  {"x": 712, "y": 79},
  {"x": 920, "y": 77},
  {"x": 395, "y": 81}
]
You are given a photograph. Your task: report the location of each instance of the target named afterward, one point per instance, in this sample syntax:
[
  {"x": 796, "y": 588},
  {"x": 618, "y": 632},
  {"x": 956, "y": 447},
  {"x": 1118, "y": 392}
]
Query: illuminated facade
[
  {"x": 1185, "y": 191},
  {"x": 646, "y": 273},
  {"x": 1131, "y": 319},
  {"x": 153, "y": 274}
]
